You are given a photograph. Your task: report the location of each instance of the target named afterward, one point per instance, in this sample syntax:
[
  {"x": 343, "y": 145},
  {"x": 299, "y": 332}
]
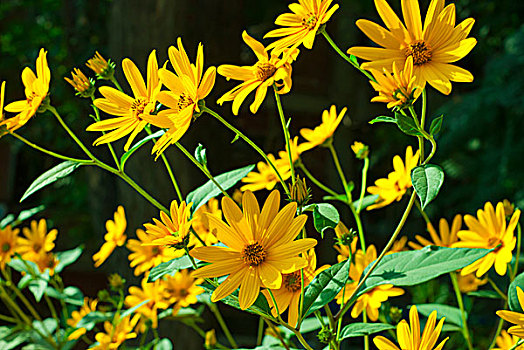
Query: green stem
[
  {"x": 423, "y": 213},
  {"x": 113, "y": 80},
  {"x": 517, "y": 254},
  {"x": 497, "y": 289},
  {"x": 260, "y": 332},
  {"x": 276, "y": 331},
  {"x": 339, "y": 326},
  {"x": 140, "y": 190},
  {"x": 517, "y": 344},
  {"x": 364, "y": 184},
  {"x": 499, "y": 328},
  {"x": 223, "y": 325},
  {"x": 8, "y": 319},
  {"x": 314, "y": 180},
  {"x": 366, "y": 338},
  {"x": 286, "y": 132},
  {"x": 97, "y": 118},
  {"x": 465, "y": 330}
]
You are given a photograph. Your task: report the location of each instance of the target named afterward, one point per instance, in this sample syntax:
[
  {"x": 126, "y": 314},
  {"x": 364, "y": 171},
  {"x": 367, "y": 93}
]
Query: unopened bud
[
  {"x": 210, "y": 339},
  {"x": 84, "y": 86},
  {"x": 509, "y": 207},
  {"x": 395, "y": 314},
  {"x": 325, "y": 335},
  {"x": 346, "y": 238},
  {"x": 300, "y": 193},
  {"x": 116, "y": 282},
  {"x": 102, "y": 68},
  {"x": 361, "y": 150}
]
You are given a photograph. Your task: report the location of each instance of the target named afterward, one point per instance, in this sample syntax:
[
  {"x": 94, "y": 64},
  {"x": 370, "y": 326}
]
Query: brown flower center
[
  {"x": 155, "y": 251},
  {"x": 292, "y": 281},
  {"x": 29, "y": 99},
  {"x": 493, "y": 242},
  {"x": 254, "y": 254},
  {"x": 265, "y": 71},
  {"x": 420, "y": 51},
  {"x": 6, "y": 247},
  {"x": 37, "y": 247},
  {"x": 138, "y": 106},
  {"x": 184, "y": 101},
  {"x": 310, "y": 21}
]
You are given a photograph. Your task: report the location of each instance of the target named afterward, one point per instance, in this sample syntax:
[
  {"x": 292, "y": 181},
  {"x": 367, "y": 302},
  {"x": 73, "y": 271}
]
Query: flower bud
[
  {"x": 210, "y": 339},
  {"x": 325, "y": 335},
  {"x": 395, "y": 314},
  {"x": 361, "y": 150},
  {"x": 102, "y": 68},
  {"x": 509, "y": 207},
  {"x": 300, "y": 193},
  {"x": 84, "y": 86},
  {"x": 116, "y": 282}
]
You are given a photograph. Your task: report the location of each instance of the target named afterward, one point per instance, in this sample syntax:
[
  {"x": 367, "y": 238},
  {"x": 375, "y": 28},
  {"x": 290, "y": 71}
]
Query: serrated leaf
[
  {"x": 56, "y": 173},
  {"x": 436, "y": 125},
  {"x": 513, "y": 300},
  {"x": 407, "y": 125},
  {"x": 427, "y": 180},
  {"x": 383, "y": 119},
  {"x": 325, "y": 216},
  {"x": 67, "y": 258},
  {"x": 362, "y": 329},
  {"x": 200, "y": 154},
  {"x": 169, "y": 268},
  {"x": 451, "y": 313},
  {"x": 137, "y": 145},
  {"x": 259, "y": 307}
]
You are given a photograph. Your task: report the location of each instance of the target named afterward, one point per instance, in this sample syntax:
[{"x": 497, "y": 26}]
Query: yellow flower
[
  {"x": 266, "y": 178},
  {"x": 210, "y": 339},
  {"x": 322, "y": 133},
  {"x": 267, "y": 71},
  {"x": 182, "y": 289},
  {"x": 409, "y": 337},
  {"x": 397, "y": 88},
  {"x": 296, "y": 151},
  {"x": 361, "y": 150},
  {"x": 144, "y": 257},
  {"x": 114, "y": 336},
  {"x": 302, "y": 25},
  {"x": 432, "y": 47},
  {"x": 201, "y": 223},
  {"x": 371, "y": 300},
  {"x": 506, "y": 342},
  {"x": 46, "y": 260},
  {"x": 343, "y": 237},
  {"x": 36, "y": 89},
  {"x": 131, "y": 112},
  {"x": 393, "y": 188},
  {"x": 8, "y": 244},
  {"x": 288, "y": 295},
  {"x": 114, "y": 236},
  {"x": 399, "y": 245},
  {"x": 37, "y": 240},
  {"x": 88, "y": 307},
  {"x": 171, "y": 231},
  {"x": 154, "y": 294},
  {"x": 515, "y": 317},
  {"x": 260, "y": 247},
  {"x": 489, "y": 231},
  {"x": 3, "y": 125},
  {"x": 186, "y": 89},
  {"x": 470, "y": 282},
  {"x": 446, "y": 238},
  {"x": 83, "y": 85},
  {"x": 102, "y": 68}
]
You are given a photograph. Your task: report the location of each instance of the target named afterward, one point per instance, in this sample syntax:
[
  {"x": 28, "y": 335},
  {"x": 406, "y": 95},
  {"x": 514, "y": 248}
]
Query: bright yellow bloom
[
  {"x": 100, "y": 66},
  {"x": 399, "y": 245},
  {"x": 37, "y": 240},
  {"x": 409, "y": 337},
  {"x": 432, "y": 47},
  {"x": 489, "y": 231},
  {"x": 182, "y": 290},
  {"x": 361, "y": 150},
  {"x": 288, "y": 295},
  {"x": 341, "y": 231},
  {"x": 302, "y": 25},
  {"x": 267, "y": 71},
  {"x": 296, "y": 151},
  {"x": 371, "y": 300},
  {"x": 397, "y": 88},
  {"x": 36, "y": 89},
  {"x": 446, "y": 238},
  {"x": 114, "y": 336},
  {"x": 152, "y": 292},
  {"x": 88, "y": 307},
  {"x": 83, "y": 85},
  {"x": 186, "y": 89},
  {"x": 506, "y": 342},
  {"x": 322, "y": 133},
  {"x": 144, "y": 257},
  {"x": 8, "y": 244},
  {"x": 395, "y": 186},
  {"x": 201, "y": 223},
  {"x": 114, "y": 236},
  {"x": 266, "y": 178},
  {"x": 260, "y": 247},
  {"x": 131, "y": 112},
  {"x": 46, "y": 260},
  {"x": 470, "y": 282},
  {"x": 515, "y": 317},
  {"x": 171, "y": 231}
]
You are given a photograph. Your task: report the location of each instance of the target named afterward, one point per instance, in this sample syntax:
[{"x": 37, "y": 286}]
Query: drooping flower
[
  {"x": 515, "y": 317},
  {"x": 144, "y": 257},
  {"x": 489, "y": 230},
  {"x": 37, "y": 240},
  {"x": 173, "y": 230},
  {"x": 506, "y": 342},
  {"x": 88, "y": 307},
  {"x": 395, "y": 186},
  {"x": 409, "y": 337},
  {"x": 182, "y": 290},
  {"x": 104, "y": 69},
  {"x": 470, "y": 283},
  {"x": 267, "y": 71},
  {"x": 266, "y": 177},
  {"x": 446, "y": 238},
  {"x": 322, "y": 133},
  {"x": 200, "y": 223},
  {"x": 114, "y": 336},
  {"x": 260, "y": 247},
  {"x": 130, "y": 112},
  {"x": 153, "y": 292},
  {"x": 114, "y": 237},
  {"x": 186, "y": 89},
  {"x": 84, "y": 86},
  {"x": 302, "y": 25},
  {"x": 433, "y": 46},
  {"x": 372, "y": 299},
  {"x": 8, "y": 244}
]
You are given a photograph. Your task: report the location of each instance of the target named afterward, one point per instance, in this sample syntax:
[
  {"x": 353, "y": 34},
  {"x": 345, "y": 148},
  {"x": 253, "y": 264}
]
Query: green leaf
[
  {"x": 268, "y": 347},
  {"x": 362, "y": 329},
  {"x": 451, "y": 313},
  {"x": 137, "y": 145},
  {"x": 70, "y": 295},
  {"x": 133, "y": 309},
  {"x": 209, "y": 190},
  {"x": 56, "y": 173},
  {"x": 11, "y": 337},
  {"x": 7, "y": 220},
  {"x": 489, "y": 294},
  {"x": 325, "y": 216},
  {"x": 163, "y": 344},
  {"x": 259, "y": 307},
  {"x": 169, "y": 268},
  {"x": 383, "y": 119},
  {"x": 235, "y": 138},
  {"x": 24, "y": 215},
  {"x": 451, "y": 328},
  {"x": 427, "y": 180},
  {"x": 407, "y": 125},
  {"x": 353, "y": 59},
  {"x": 339, "y": 197},
  {"x": 366, "y": 201},
  {"x": 436, "y": 124},
  {"x": 91, "y": 319},
  {"x": 67, "y": 258},
  {"x": 324, "y": 287},
  {"x": 200, "y": 154},
  {"x": 414, "y": 267},
  {"x": 513, "y": 300}
]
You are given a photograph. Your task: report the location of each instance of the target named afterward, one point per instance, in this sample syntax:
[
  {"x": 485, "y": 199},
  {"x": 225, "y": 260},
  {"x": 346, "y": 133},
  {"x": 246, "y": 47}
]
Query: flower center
[
  {"x": 184, "y": 101},
  {"x": 310, "y": 21},
  {"x": 420, "y": 51},
  {"x": 155, "y": 251},
  {"x": 30, "y": 99},
  {"x": 493, "y": 242},
  {"x": 254, "y": 254},
  {"x": 292, "y": 281},
  {"x": 138, "y": 106},
  {"x": 265, "y": 71},
  {"x": 37, "y": 247},
  {"x": 6, "y": 247}
]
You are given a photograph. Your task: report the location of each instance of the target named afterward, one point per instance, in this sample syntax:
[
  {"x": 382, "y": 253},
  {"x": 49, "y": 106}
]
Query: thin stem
[
  {"x": 517, "y": 344},
  {"x": 113, "y": 80},
  {"x": 465, "y": 330},
  {"x": 54, "y": 314},
  {"x": 339, "y": 326},
  {"x": 364, "y": 184},
  {"x": 260, "y": 332},
  {"x": 286, "y": 132},
  {"x": 274, "y": 303},
  {"x": 499, "y": 328},
  {"x": 517, "y": 254},
  {"x": 97, "y": 118},
  {"x": 423, "y": 213},
  {"x": 276, "y": 331},
  {"x": 420, "y": 138},
  {"x": 366, "y": 338},
  {"x": 223, "y": 325},
  {"x": 314, "y": 180},
  {"x": 497, "y": 289},
  {"x": 8, "y": 319},
  {"x": 197, "y": 329}
]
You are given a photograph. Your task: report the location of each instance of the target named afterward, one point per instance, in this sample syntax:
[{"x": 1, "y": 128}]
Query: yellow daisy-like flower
[
  {"x": 470, "y": 282},
  {"x": 395, "y": 186},
  {"x": 186, "y": 88},
  {"x": 260, "y": 247},
  {"x": 371, "y": 300},
  {"x": 397, "y": 88},
  {"x": 182, "y": 290},
  {"x": 301, "y": 25},
  {"x": 322, "y": 133},
  {"x": 36, "y": 90},
  {"x": 490, "y": 231},
  {"x": 446, "y": 237},
  {"x": 506, "y": 342},
  {"x": 341, "y": 231},
  {"x": 433, "y": 46},
  {"x": 409, "y": 337},
  {"x": 296, "y": 151},
  {"x": 201, "y": 223},
  {"x": 266, "y": 177},
  {"x": 154, "y": 294},
  {"x": 46, "y": 260},
  {"x": 114, "y": 336},
  {"x": 8, "y": 244},
  {"x": 88, "y": 307},
  {"x": 267, "y": 71},
  {"x": 114, "y": 237},
  {"x": 37, "y": 240},
  {"x": 131, "y": 112},
  {"x": 144, "y": 257},
  {"x": 515, "y": 317},
  {"x": 173, "y": 230},
  {"x": 288, "y": 295}
]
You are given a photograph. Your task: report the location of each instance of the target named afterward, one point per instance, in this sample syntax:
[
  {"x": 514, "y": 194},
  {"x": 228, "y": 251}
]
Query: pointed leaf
[
  {"x": 407, "y": 125},
  {"x": 200, "y": 154},
  {"x": 325, "y": 216},
  {"x": 383, "y": 119},
  {"x": 67, "y": 258},
  {"x": 259, "y": 307},
  {"x": 362, "y": 329},
  {"x": 137, "y": 145},
  {"x": 366, "y": 201},
  {"x": 436, "y": 124},
  {"x": 427, "y": 180},
  {"x": 451, "y": 313},
  {"x": 169, "y": 268},
  {"x": 513, "y": 300}
]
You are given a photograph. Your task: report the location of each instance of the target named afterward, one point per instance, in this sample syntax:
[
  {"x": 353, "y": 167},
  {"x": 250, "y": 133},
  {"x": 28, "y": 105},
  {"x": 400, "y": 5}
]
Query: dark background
[{"x": 480, "y": 145}]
